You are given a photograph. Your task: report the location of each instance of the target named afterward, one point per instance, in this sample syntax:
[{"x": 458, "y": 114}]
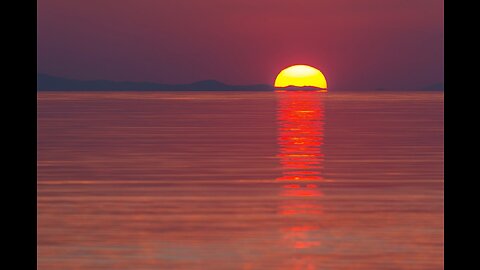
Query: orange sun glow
[{"x": 300, "y": 76}]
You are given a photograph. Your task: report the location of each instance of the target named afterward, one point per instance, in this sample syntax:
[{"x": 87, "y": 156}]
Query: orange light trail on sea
[{"x": 300, "y": 117}]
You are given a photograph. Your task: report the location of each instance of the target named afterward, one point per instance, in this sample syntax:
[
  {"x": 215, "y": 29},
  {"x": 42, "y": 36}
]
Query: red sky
[{"x": 357, "y": 44}]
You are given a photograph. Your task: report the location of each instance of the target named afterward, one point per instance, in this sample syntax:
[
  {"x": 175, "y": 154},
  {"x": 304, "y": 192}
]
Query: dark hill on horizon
[
  {"x": 52, "y": 83},
  {"x": 293, "y": 87},
  {"x": 434, "y": 87},
  {"x": 437, "y": 87}
]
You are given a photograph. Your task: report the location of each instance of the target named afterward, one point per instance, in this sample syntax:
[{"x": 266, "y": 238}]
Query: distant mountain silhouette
[
  {"x": 292, "y": 87},
  {"x": 52, "y": 83},
  {"x": 434, "y": 87}
]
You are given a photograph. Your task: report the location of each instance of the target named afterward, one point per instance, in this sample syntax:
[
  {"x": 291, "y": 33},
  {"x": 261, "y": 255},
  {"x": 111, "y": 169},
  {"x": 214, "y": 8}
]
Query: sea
[{"x": 240, "y": 180}]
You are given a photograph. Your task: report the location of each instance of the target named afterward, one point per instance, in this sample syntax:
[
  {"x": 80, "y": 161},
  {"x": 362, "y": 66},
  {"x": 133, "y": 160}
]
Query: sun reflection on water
[{"x": 300, "y": 117}]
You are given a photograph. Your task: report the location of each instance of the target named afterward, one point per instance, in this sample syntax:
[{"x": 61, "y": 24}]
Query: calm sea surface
[{"x": 240, "y": 180}]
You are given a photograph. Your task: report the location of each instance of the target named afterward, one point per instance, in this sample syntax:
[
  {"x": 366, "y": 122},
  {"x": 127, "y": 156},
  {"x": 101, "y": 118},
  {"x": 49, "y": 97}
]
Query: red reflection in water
[
  {"x": 300, "y": 138},
  {"x": 301, "y": 120}
]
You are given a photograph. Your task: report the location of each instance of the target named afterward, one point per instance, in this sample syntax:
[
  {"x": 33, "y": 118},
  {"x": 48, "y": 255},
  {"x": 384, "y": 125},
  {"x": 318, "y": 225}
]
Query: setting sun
[{"x": 301, "y": 75}]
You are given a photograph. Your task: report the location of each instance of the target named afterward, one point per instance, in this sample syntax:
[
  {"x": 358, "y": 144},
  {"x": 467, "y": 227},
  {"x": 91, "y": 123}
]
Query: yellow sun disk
[{"x": 301, "y": 75}]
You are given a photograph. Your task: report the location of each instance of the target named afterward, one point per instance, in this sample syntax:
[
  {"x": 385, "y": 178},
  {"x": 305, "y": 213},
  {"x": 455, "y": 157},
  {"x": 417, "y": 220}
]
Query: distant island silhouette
[
  {"x": 433, "y": 87},
  {"x": 52, "y": 83},
  {"x": 292, "y": 87}
]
